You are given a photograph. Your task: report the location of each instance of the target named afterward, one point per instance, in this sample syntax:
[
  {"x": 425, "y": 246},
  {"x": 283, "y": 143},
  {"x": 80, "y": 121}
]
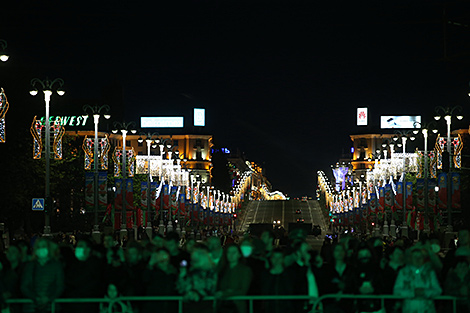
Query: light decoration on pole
[
  {"x": 3, "y": 111},
  {"x": 448, "y": 113},
  {"x": 47, "y": 87}
]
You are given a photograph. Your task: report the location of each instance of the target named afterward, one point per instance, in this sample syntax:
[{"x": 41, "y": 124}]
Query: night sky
[{"x": 280, "y": 80}]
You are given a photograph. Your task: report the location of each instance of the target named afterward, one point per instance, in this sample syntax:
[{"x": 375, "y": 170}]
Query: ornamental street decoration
[
  {"x": 130, "y": 161},
  {"x": 456, "y": 144},
  {"x": 103, "y": 149},
  {"x": 3, "y": 111},
  {"x": 58, "y": 132}
]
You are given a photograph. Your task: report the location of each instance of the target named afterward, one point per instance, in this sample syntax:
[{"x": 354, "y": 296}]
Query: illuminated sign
[
  {"x": 400, "y": 121},
  {"x": 361, "y": 116},
  {"x": 74, "y": 120},
  {"x": 162, "y": 122},
  {"x": 199, "y": 117}
]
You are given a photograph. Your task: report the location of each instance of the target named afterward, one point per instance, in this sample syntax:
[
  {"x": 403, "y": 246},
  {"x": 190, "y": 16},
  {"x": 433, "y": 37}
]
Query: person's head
[
  {"x": 108, "y": 241},
  {"x": 461, "y": 266},
  {"x": 464, "y": 237},
  {"x": 83, "y": 250},
  {"x": 417, "y": 257},
  {"x": 189, "y": 245},
  {"x": 339, "y": 252},
  {"x": 25, "y": 249},
  {"x": 214, "y": 244},
  {"x": 233, "y": 254},
  {"x": 435, "y": 244},
  {"x": 397, "y": 255},
  {"x": 42, "y": 249},
  {"x": 301, "y": 249},
  {"x": 158, "y": 241},
  {"x": 277, "y": 258},
  {"x": 315, "y": 258},
  {"x": 364, "y": 256},
  {"x": 246, "y": 248},
  {"x": 162, "y": 257},
  {"x": 268, "y": 238},
  {"x": 172, "y": 242},
  {"x": 201, "y": 259},
  {"x": 14, "y": 254},
  {"x": 112, "y": 291},
  {"x": 133, "y": 252}
]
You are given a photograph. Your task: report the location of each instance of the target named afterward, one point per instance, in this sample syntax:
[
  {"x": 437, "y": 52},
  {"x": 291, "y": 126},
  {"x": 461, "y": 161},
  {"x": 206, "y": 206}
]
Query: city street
[{"x": 285, "y": 212}]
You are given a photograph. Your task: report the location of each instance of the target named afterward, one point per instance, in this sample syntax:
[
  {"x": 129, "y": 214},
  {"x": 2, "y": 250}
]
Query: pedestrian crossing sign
[{"x": 38, "y": 204}]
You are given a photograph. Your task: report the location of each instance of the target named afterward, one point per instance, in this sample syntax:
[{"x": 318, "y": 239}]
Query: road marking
[{"x": 256, "y": 212}]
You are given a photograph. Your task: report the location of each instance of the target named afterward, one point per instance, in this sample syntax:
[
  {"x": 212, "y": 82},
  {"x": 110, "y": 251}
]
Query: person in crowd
[
  {"x": 463, "y": 244},
  {"x": 216, "y": 252},
  {"x": 418, "y": 281},
  {"x": 277, "y": 281},
  {"x": 326, "y": 250},
  {"x": 25, "y": 249},
  {"x": 198, "y": 282},
  {"x": 332, "y": 279},
  {"x": 115, "y": 271},
  {"x": 396, "y": 261},
  {"x": 304, "y": 279},
  {"x": 11, "y": 274},
  {"x": 267, "y": 237},
  {"x": 234, "y": 280},
  {"x": 135, "y": 267},
  {"x": 83, "y": 277},
  {"x": 43, "y": 278},
  {"x": 108, "y": 242},
  {"x": 189, "y": 245},
  {"x": 159, "y": 279},
  {"x": 158, "y": 241},
  {"x": 117, "y": 306},
  {"x": 177, "y": 255},
  {"x": 457, "y": 283},
  {"x": 365, "y": 278}
]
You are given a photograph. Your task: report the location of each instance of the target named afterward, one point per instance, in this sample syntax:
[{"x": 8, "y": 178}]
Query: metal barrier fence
[{"x": 317, "y": 302}]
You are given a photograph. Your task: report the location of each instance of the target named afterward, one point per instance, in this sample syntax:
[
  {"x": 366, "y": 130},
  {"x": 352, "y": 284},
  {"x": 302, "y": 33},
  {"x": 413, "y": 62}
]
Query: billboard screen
[
  {"x": 403, "y": 121},
  {"x": 361, "y": 116},
  {"x": 199, "y": 117},
  {"x": 162, "y": 122}
]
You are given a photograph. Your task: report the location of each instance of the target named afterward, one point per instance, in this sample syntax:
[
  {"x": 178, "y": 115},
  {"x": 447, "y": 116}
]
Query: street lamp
[
  {"x": 96, "y": 111},
  {"x": 3, "y": 53},
  {"x": 404, "y": 135},
  {"x": 150, "y": 143},
  {"x": 47, "y": 87},
  {"x": 448, "y": 113},
  {"x": 124, "y": 128},
  {"x": 425, "y": 131}
]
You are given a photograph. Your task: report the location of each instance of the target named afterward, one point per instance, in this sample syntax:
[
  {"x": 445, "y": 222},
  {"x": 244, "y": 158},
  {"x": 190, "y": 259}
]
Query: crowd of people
[{"x": 47, "y": 269}]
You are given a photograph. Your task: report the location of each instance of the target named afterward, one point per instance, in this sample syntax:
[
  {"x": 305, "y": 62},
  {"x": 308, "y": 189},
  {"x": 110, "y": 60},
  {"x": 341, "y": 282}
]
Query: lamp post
[
  {"x": 404, "y": 135},
  {"x": 47, "y": 87},
  {"x": 448, "y": 113},
  {"x": 425, "y": 131},
  {"x": 150, "y": 142},
  {"x": 3, "y": 54},
  {"x": 96, "y": 111},
  {"x": 124, "y": 128}
]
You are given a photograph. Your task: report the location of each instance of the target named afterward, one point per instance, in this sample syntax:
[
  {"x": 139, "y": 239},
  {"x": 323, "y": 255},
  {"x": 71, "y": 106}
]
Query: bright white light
[
  {"x": 60, "y": 92},
  {"x": 33, "y": 92},
  {"x": 107, "y": 116},
  {"x": 4, "y": 57},
  {"x": 459, "y": 117}
]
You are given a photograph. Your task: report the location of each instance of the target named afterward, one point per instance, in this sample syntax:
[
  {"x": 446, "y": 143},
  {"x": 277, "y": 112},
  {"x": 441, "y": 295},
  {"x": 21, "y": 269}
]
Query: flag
[
  {"x": 166, "y": 197},
  {"x": 129, "y": 194},
  {"x": 432, "y": 194},
  {"x": 153, "y": 195},
  {"x": 399, "y": 197},
  {"x": 409, "y": 195},
  {"x": 102, "y": 190},
  {"x": 455, "y": 190},
  {"x": 118, "y": 194},
  {"x": 381, "y": 199},
  {"x": 420, "y": 192},
  {"x": 373, "y": 203},
  {"x": 182, "y": 209},
  {"x": 143, "y": 195},
  {"x": 174, "y": 200},
  {"x": 442, "y": 194},
  {"x": 89, "y": 190}
]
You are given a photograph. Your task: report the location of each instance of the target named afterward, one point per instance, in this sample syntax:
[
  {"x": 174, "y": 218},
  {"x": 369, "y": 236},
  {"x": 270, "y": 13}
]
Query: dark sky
[{"x": 280, "y": 80}]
